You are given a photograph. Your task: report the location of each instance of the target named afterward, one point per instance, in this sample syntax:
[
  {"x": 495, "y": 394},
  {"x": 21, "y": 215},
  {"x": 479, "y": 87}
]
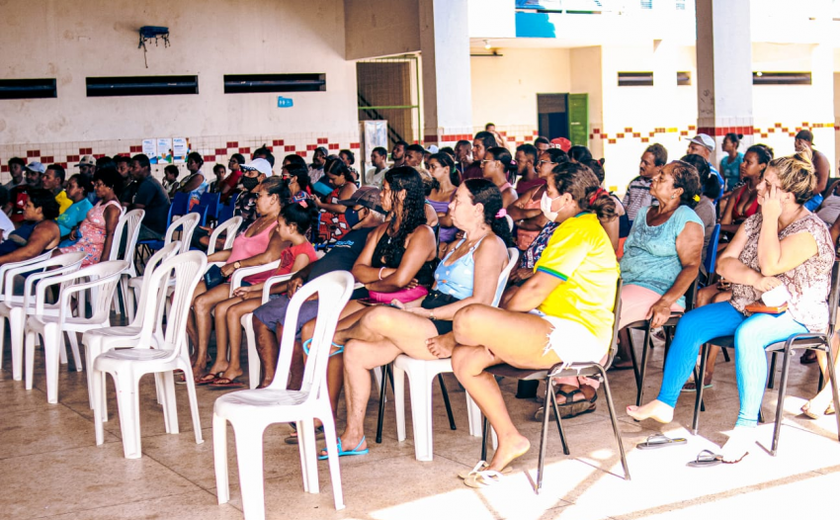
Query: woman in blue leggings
[{"x": 784, "y": 244}]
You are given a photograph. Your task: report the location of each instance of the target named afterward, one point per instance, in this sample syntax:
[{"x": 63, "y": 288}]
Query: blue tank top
[{"x": 457, "y": 280}]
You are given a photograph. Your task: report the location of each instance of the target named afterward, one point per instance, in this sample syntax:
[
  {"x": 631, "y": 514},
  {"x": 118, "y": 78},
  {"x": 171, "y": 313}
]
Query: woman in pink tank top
[{"x": 258, "y": 245}]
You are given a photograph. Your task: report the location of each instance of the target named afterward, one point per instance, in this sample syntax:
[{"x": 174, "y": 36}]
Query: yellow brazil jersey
[{"x": 581, "y": 255}]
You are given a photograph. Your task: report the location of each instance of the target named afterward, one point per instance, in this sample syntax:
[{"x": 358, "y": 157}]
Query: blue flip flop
[
  {"x": 309, "y": 341},
  {"x": 343, "y": 453}
]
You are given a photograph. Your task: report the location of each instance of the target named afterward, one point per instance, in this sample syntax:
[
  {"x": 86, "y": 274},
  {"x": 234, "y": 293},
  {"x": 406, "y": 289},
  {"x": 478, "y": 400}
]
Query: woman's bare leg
[
  {"x": 220, "y": 312},
  {"x": 488, "y": 336},
  {"x": 405, "y": 330},
  {"x": 234, "y": 327},
  {"x": 820, "y": 402},
  {"x": 202, "y": 307}
]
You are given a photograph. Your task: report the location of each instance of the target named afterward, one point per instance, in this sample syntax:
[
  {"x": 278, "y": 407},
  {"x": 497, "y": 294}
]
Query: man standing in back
[
  {"x": 638, "y": 191},
  {"x": 805, "y": 142}
]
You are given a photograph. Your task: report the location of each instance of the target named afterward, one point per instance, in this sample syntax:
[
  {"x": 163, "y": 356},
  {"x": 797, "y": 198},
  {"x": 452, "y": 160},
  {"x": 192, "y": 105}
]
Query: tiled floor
[{"x": 51, "y": 467}]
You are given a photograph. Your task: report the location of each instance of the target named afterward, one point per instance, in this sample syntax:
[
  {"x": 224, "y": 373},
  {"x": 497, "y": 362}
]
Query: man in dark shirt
[
  {"x": 19, "y": 196},
  {"x": 149, "y": 196},
  {"x": 269, "y": 319},
  {"x": 483, "y": 141}
]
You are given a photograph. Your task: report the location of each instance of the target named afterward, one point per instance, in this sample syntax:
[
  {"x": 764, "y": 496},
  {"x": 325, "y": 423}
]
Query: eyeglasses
[{"x": 543, "y": 161}]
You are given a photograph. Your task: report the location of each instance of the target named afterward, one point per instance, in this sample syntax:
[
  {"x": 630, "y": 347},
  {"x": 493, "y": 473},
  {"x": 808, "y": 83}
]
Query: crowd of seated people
[{"x": 428, "y": 241}]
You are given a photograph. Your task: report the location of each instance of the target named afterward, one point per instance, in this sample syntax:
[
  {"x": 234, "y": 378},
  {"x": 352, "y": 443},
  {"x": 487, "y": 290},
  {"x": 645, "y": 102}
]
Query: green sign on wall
[{"x": 578, "y": 110}]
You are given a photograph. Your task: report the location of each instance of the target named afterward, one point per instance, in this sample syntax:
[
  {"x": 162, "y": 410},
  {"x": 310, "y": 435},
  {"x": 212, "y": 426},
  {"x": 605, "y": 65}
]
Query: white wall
[
  {"x": 504, "y": 89},
  {"x": 73, "y": 40},
  {"x": 381, "y": 28}
]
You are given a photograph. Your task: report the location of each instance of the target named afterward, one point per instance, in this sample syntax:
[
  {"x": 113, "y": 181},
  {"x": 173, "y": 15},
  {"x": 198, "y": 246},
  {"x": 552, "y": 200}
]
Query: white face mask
[{"x": 545, "y": 207}]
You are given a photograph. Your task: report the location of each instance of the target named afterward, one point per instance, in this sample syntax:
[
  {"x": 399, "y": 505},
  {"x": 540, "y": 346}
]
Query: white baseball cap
[
  {"x": 703, "y": 140},
  {"x": 261, "y": 165}
]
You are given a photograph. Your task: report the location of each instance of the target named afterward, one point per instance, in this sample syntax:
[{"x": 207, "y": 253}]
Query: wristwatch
[
  {"x": 237, "y": 265},
  {"x": 432, "y": 314}
]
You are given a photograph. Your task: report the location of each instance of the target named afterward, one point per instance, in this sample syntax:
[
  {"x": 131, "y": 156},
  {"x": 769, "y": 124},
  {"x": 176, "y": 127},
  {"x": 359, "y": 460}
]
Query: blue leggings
[{"x": 752, "y": 335}]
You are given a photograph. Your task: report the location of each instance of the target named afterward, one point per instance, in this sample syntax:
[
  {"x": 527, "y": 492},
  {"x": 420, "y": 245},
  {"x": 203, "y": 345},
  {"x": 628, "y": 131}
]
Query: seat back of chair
[
  {"x": 211, "y": 202},
  {"x": 5, "y": 268},
  {"x": 104, "y": 276},
  {"x": 129, "y": 223},
  {"x": 833, "y": 299},
  {"x": 226, "y": 210},
  {"x": 711, "y": 251},
  {"x": 180, "y": 204},
  {"x": 513, "y": 258},
  {"x": 187, "y": 270},
  {"x": 333, "y": 290},
  {"x": 617, "y": 312},
  {"x": 186, "y": 225},
  {"x": 691, "y": 296},
  {"x": 161, "y": 255},
  {"x": 56, "y": 266},
  {"x": 230, "y": 228}
]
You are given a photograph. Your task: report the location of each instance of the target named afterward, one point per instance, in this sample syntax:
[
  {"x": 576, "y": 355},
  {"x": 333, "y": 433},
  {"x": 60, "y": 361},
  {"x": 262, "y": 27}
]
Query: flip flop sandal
[
  {"x": 335, "y": 353},
  {"x": 481, "y": 466},
  {"x": 224, "y": 382},
  {"x": 691, "y": 387},
  {"x": 570, "y": 408},
  {"x": 656, "y": 441},
  {"x": 293, "y": 437},
  {"x": 483, "y": 479},
  {"x": 207, "y": 379},
  {"x": 344, "y": 453},
  {"x": 706, "y": 459}
]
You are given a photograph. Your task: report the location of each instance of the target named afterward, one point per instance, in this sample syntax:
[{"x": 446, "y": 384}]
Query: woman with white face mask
[{"x": 561, "y": 314}]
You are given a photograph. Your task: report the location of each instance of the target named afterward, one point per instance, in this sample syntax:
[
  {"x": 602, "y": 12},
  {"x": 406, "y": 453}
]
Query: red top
[
  {"x": 290, "y": 254},
  {"x": 750, "y": 210}
]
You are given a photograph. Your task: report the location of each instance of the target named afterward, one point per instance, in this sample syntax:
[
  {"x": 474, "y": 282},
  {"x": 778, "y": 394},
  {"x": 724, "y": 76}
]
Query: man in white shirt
[
  {"x": 374, "y": 176},
  {"x": 316, "y": 169},
  {"x": 16, "y": 168}
]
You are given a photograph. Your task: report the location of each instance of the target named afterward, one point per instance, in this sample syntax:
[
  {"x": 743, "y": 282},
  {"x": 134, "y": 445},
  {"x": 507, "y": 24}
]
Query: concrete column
[
  {"x": 724, "y": 70},
  {"x": 445, "y": 55}
]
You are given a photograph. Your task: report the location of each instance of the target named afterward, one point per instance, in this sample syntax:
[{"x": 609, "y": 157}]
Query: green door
[{"x": 578, "y": 110}]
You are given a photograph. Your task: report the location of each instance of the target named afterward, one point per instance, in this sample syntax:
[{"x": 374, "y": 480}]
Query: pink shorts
[{"x": 636, "y": 301}]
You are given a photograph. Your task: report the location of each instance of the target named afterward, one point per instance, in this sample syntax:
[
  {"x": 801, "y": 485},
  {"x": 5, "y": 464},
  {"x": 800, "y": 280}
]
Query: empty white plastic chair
[
  {"x": 97, "y": 341},
  {"x": 15, "y": 308},
  {"x": 185, "y": 227},
  {"x": 250, "y": 412},
  {"x": 421, "y": 374},
  {"x": 103, "y": 276},
  {"x": 128, "y": 365},
  {"x": 129, "y": 223}
]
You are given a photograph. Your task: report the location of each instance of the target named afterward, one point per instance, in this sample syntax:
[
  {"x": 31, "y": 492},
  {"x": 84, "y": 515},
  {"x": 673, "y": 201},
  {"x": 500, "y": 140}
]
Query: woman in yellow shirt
[{"x": 562, "y": 313}]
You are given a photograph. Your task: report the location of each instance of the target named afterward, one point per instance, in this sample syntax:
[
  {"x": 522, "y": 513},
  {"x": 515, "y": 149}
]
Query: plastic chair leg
[
  {"x": 616, "y": 430},
  {"x": 98, "y": 386},
  {"x": 29, "y": 346},
  {"x": 383, "y": 381},
  {"x": 249, "y": 455},
  {"x": 399, "y": 402},
  {"x": 220, "y": 461},
  {"x": 129, "y": 409},
  {"x": 309, "y": 455},
  {"x": 196, "y": 419},
  {"x": 253, "y": 357},
  {"x": 51, "y": 356},
  {"x": 445, "y": 394},
  {"x": 420, "y": 385},
  {"x": 332, "y": 451},
  {"x": 2, "y": 339},
  {"x": 16, "y": 317}
]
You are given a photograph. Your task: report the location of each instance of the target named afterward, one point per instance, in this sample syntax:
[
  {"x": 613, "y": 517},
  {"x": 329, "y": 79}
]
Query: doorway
[{"x": 564, "y": 115}]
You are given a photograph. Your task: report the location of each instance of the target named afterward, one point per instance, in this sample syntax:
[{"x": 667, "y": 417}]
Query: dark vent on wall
[
  {"x": 683, "y": 78},
  {"x": 255, "y": 83},
  {"x": 635, "y": 79},
  {"x": 28, "y": 88},
  {"x": 142, "y": 86},
  {"x": 781, "y": 78}
]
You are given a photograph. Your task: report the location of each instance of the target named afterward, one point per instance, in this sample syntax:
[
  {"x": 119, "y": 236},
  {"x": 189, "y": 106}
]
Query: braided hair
[{"x": 412, "y": 210}]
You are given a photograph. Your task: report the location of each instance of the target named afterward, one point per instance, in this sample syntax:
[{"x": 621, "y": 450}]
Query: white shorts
[{"x": 571, "y": 341}]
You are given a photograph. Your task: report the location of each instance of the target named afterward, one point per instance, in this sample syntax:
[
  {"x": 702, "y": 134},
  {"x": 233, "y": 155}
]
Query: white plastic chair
[
  {"x": 250, "y": 412},
  {"x": 128, "y": 365},
  {"x": 3, "y": 293},
  {"x": 186, "y": 225},
  {"x": 103, "y": 276},
  {"x": 248, "y": 325},
  {"x": 130, "y": 223},
  {"x": 16, "y": 308},
  {"x": 230, "y": 228},
  {"x": 97, "y": 341},
  {"x": 421, "y": 375}
]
